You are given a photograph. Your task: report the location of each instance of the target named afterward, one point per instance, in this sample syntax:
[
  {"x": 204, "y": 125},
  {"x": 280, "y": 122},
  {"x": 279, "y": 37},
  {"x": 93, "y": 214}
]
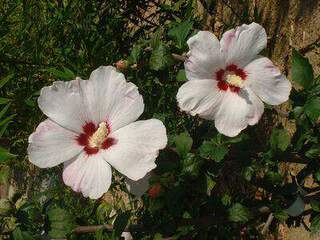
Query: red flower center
[
  {"x": 231, "y": 77},
  {"x": 95, "y": 137}
]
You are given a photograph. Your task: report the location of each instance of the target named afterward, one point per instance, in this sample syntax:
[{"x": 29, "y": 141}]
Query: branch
[{"x": 199, "y": 222}]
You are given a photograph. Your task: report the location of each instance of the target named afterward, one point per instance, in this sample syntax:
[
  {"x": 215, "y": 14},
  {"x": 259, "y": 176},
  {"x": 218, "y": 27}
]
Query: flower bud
[
  {"x": 121, "y": 65},
  {"x": 155, "y": 190}
]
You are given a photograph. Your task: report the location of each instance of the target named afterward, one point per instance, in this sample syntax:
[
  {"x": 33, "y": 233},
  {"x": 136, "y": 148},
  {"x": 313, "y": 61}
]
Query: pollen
[
  {"x": 100, "y": 135},
  {"x": 234, "y": 80}
]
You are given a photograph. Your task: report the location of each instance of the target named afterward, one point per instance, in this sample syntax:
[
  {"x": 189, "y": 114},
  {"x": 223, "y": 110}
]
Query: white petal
[
  {"x": 205, "y": 56},
  {"x": 235, "y": 112},
  {"x": 51, "y": 145},
  {"x": 137, "y": 146},
  {"x": 243, "y": 44},
  {"x": 111, "y": 98},
  {"x": 63, "y": 103},
  {"x": 267, "y": 81},
  {"x": 126, "y": 236},
  {"x": 138, "y": 188},
  {"x": 88, "y": 174},
  {"x": 200, "y": 97},
  {"x": 258, "y": 107}
]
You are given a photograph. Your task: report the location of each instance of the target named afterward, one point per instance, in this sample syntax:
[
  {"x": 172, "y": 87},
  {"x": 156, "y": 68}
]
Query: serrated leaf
[
  {"x": 312, "y": 109},
  {"x": 180, "y": 32},
  {"x": 183, "y": 143},
  {"x": 181, "y": 76},
  {"x": 302, "y": 72},
  {"x": 61, "y": 222},
  {"x": 239, "y": 213},
  {"x": 280, "y": 139},
  {"x": 160, "y": 58},
  {"x": 121, "y": 222},
  {"x": 213, "y": 151}
]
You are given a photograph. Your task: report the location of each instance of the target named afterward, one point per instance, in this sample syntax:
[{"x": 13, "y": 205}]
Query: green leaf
[
  {"x": 296, "y": 208},
  {"x": 180, "y": 32},
  {"x": 6, "y": 79},
  {"x": 315, "y": 205},
  {"x": 103, "y": 211},
  {"x": 181, "y": 76},
  {"x": 191, "y": 165},
  {"x": 5, "y": 155},
  {"x": 4, "y": 174},
  {"x": 20, "y": 235},
  {"x": 4, "y": 110},
  {"x": 302, "y": 72},
  {"x": 61, "y": 222},
  {"x": 281, "y": 215},
  {"x": 315, "y": 225},
  {"x": 313, "y": 152},
  {"x": 183, "y": 143},
  {"x": 4, "y": 100},
  {"x": 66, "y": 74},
  {"x": 210, "y": 184},
  {"x": 135, "y": 54},
  {"x": 312, "y": 109},
  {"x": 280, "y": 139},
  {"x": 121, "y": 222},
  {"x": 7, "y": 119},
  {"x": 239, "y": 213},
  {"x": 226, "y": 199},
  {"x": 213, "y": 151},
  {"x": 160, "y": 58}
]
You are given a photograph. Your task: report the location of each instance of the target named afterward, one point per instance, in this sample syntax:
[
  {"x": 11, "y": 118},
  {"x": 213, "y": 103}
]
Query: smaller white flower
[
  {"x": 228, "y": 80},
  {"x": 90, "y": 126}
]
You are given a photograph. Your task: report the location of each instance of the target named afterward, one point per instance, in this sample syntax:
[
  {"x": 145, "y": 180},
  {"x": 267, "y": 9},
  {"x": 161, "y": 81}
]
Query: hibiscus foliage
[{"x": 205, "y": 186}]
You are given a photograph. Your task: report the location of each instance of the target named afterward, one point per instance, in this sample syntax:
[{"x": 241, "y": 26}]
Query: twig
[
  {"x": 267, "y": 224},
  {"x": 178, "y": 57}
]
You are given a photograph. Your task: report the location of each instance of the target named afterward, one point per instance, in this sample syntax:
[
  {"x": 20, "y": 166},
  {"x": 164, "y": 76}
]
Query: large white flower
[
  {"x": 228, "y": 80},
  {"x": 91, "y": 126}
]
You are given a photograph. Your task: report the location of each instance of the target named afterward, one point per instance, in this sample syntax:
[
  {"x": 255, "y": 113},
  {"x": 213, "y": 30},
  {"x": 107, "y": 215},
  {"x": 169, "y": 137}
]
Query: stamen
[
  {"x": 99, "y": 136},
  {"x": 235, "y": 80}
]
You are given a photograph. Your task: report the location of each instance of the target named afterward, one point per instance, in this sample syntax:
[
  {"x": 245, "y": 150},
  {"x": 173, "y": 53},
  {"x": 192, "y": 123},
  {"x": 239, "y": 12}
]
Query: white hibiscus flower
[
  {"x": 228, "y": 80},
  {"x": 91, "y": 126}
]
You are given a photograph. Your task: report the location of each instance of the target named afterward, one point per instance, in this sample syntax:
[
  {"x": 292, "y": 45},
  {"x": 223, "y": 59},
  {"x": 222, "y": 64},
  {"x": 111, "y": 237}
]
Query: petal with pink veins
[
  {"x": 110, "y": 98},
  {"x": 267, "y": 82},
  {"x": 137, "y": 147},
  {"x": 235, "y": 113},
  {"x": 51, "y": 145},
  {"x": 204, "y": 57},
  {"x": 89, "y": 174},
  {"x": 200, "y": 97},
  {"x": 63, "y": 103},
  {"x": 243, "y": 44}
]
